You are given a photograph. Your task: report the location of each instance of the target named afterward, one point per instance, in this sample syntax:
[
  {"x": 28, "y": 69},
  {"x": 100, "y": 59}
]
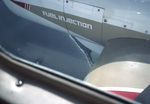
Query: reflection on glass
[{"x": 101, "y": 43}]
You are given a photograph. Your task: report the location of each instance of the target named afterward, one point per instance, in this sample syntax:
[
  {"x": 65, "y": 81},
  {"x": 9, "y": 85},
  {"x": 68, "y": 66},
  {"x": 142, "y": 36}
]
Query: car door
[
  {"x": 50, "y": 11},
  {"x": 83, "y": 20}
]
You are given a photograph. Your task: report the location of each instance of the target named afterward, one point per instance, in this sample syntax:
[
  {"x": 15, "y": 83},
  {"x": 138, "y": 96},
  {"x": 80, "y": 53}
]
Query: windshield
[
  {"x": 42, "y": 45},
  {"x": 109, "y": 55}
]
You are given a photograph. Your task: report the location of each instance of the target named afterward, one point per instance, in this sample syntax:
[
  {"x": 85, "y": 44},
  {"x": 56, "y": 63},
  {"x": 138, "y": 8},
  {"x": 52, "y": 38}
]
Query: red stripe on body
[
  {"x": 23, "y": 5},
  {"x": 28, "y": 7},
  {"x": 19, "y": 3},
  {"x": 126, "y": 94}
]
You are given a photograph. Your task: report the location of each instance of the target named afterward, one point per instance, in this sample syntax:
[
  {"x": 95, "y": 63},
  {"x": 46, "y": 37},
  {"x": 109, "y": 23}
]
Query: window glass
[{"x": 121, "y": 67}]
